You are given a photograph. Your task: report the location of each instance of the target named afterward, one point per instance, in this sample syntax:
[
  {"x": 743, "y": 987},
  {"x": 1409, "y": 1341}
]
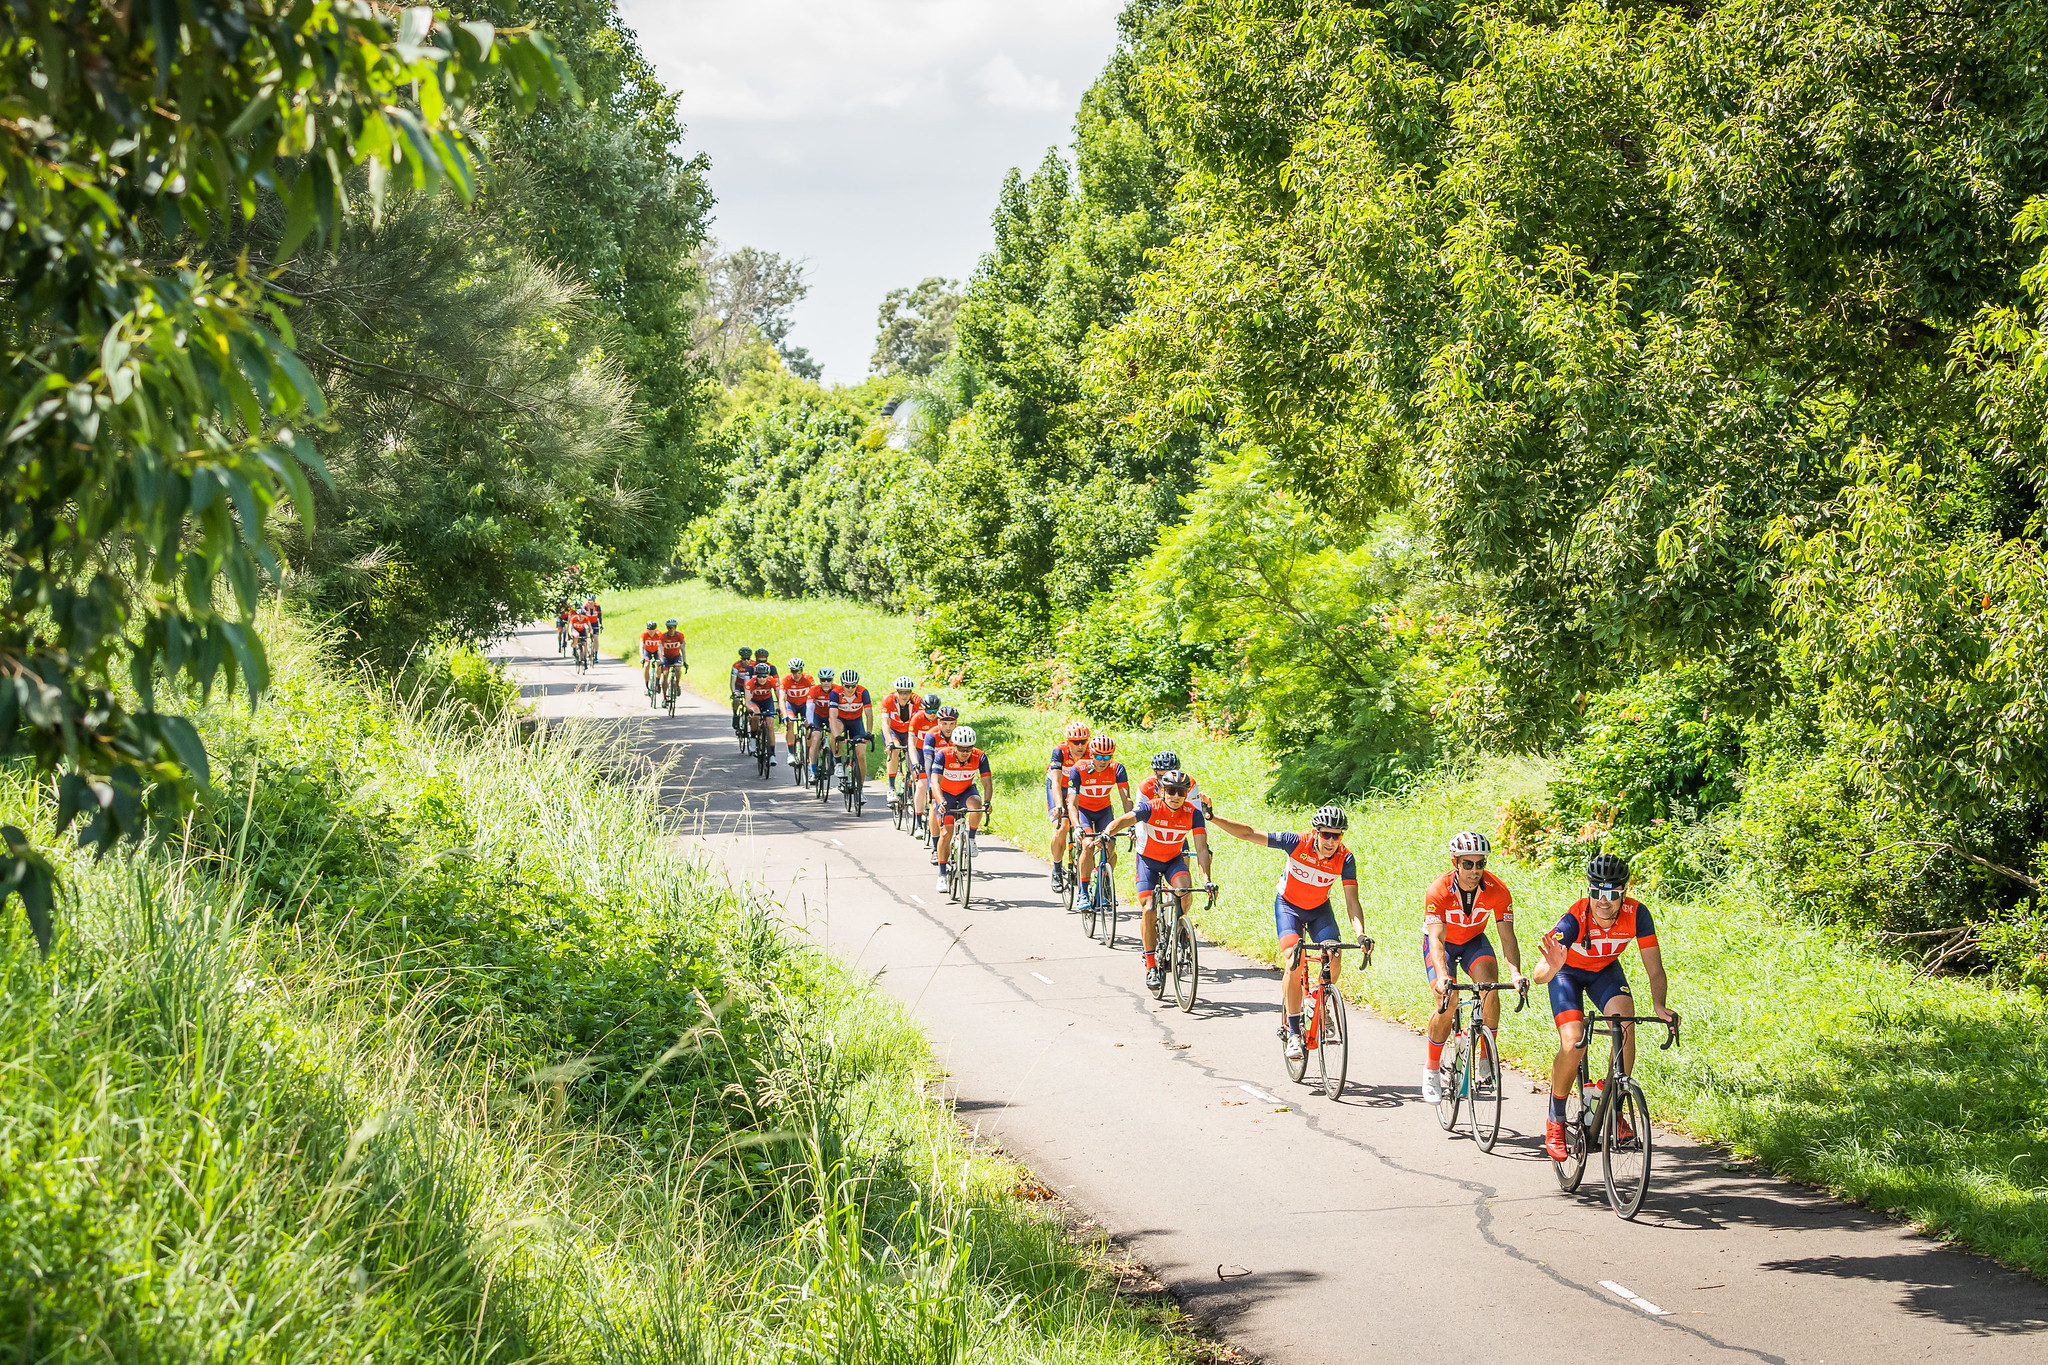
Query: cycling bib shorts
[
  {"x": 1570, "y": 987},
  {"x": 1457, "y": 955},
  {"x": 1291, "y": 922},
  {"x": 1152, "y": 873}
]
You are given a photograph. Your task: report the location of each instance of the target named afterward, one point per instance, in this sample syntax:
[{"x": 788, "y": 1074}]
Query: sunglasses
[
  {"x": 1605, "y": 893},
  {"x": 1471, "y": 864}
]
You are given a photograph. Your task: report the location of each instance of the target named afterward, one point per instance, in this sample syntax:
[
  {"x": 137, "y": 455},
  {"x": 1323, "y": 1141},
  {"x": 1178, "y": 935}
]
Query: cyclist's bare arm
[
  {"x": 1511, "y": 948},
  {"x": 1239, "y": 829},
  {"x": 1200, "y": 839},
  {"x": 1653, "y": 967},
  {"x": 1121, "y": 823},
  {"x": 1433, "y": 931},
  {"x": 1354, "y": 909}
]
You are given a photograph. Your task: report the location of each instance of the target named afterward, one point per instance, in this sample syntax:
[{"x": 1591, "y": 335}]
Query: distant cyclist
[
  {"x": 818, "y": 718},
  {"x": 581, "y": 635},
  {"x": 799, "y": 690},
  {"x": 650, "y": 653},
  {"x": 740, "y": 673},
  {"x": 596, "y": 615},
  {"x": 1582, "y": 957},
  {"x": 1316, "y": 861},
  {"x": 959, "y": 767},
  {"x": 853, "y": 718},
  {"x": 1071, "y": 750},
  {"x": 1454, "y": 914},
  {"x": 900, "y": 710},
  {"x": 763, "y": 696},
  {"x": 562, "y": 626},
  {"x": 944, "y": 718},
  {"x": 1091, "y": 785},
  {"x": 674, "y": 651},
  {"x": 1167, "y": 824}
]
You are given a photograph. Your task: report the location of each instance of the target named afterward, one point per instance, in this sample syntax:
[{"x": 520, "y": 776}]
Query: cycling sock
[
  {"x": 1436, "y": 1055},
  {"x": 1557, "y": 1108},
  {"x": 1151, "y": 960},
  {"x": 1294, "y": 1023}
]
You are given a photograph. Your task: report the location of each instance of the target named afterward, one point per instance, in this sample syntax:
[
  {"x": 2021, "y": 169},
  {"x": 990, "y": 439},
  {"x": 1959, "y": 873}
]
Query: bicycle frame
[{"x": 1609, "y": 1026}]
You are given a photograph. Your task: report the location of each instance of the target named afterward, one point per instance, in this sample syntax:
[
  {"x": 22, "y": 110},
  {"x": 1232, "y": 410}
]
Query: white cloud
[{"x": 1005, "y": 85}]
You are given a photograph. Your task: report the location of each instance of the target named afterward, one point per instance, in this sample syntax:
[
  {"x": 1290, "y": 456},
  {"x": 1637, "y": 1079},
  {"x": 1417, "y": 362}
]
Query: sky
[{"x": 870, "y": 137}]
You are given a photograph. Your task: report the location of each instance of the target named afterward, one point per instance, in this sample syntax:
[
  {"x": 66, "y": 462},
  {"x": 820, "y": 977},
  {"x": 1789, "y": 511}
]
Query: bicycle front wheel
[
  {"x": 1485, "y": 1099},
  {"x": 1572, "y": 1169},
  {"x": 1187, "y": 964},
  {"x": 1625, "y": 1149},
  {"x": 1333, "y": 1048},
  {"x": 1167, "y": 919},
  {"x": 1105, "y": 904},
  {"x": 963, "y": 865},
  {"x": 1451, "y": 1079}
]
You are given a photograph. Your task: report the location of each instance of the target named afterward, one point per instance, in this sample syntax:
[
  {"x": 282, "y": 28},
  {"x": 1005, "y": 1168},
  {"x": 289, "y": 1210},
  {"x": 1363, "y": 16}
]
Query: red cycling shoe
[{"x": 1553, "y": 1141}]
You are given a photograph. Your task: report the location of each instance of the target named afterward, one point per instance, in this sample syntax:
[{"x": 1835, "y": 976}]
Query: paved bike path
[{"x": 1303, "y": 1229}]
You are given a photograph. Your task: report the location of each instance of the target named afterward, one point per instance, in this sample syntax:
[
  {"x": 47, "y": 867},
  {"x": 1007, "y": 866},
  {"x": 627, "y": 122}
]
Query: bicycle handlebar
[{"x": 1611, "y": 1024}]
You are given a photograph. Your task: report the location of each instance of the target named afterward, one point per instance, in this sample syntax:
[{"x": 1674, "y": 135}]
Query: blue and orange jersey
[
  {"x": 1589, "y": 947},
  {"x": 1093, "y": 786},
  {"x": 799, "y": 688},
  {"x": 1463, "y": 915},
  {"x": 1163, "y": 831},
  {"x": 848, "y": 703},
  {"x": 671, "y": 644},
  {"x": 956, "y": 768},
  {"x": 901, "y": 710},
  {"x": 924, "y": 730},
  {"x": 1306, "y": 883}
]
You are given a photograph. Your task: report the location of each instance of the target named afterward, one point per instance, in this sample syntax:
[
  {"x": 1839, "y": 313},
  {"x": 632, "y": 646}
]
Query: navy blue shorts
[
  {"x": 855, "y": 730},
  {"x": 1457, "y": 955},
  {"x": 1152, "y": 873},
  {"x": 1570, "y": 987},
  {"x": 956, "y": 802},
  {"x": 1095, "y": 821},
  {"x": 1291, "y": 921}
]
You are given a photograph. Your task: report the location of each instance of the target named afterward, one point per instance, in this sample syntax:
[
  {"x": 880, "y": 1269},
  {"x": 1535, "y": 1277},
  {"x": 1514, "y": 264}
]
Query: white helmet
[
  {"x": 1471, "y": 841},
  {"x": 906, "y": 683},
  {"x": 796, "y": 665},
  {"x": 963, "y": 736}
]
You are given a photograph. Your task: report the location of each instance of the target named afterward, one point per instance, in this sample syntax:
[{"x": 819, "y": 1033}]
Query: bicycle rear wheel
[
  {"x": 1165, "y": 900},
  {"x": 1187, "y": 964},
  {"x": 1572, "y": 1169},
  {"x": 1068, "y": 890},
  {"x": 1333, "y": 1048},
  {"x": 822, "y": 782},
  {"x": 764, "y": 753},
  {"x": 1625, "y": 1160},
  {"x": 856, "y": 785},
  {"x": 1452, "y": 1079},
  {"x": 1486, "y": 1088},
  {"x": 1297, "y": 1067},
  {"x": 1105, "y": 904},
  {"x": 899, "y": 805}
]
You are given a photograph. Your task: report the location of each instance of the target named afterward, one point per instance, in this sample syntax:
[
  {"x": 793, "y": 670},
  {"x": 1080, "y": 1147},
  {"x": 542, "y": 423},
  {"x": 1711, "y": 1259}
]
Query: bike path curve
[{"x": 1300, "y": 1228}]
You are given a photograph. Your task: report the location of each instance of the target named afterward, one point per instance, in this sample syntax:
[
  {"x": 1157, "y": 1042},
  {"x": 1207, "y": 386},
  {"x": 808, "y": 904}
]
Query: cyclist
[
  {"x": 1088, "y": 788},
  {"x": 1166, "y": 761},
  {"x": 674, "y": 652},
  {"x": 1582, "y": 957},
  {"x": 1071, "y": 750},
  {"x": 853, "y": 718},
  {"x": 943, "y": 719},
  {"x": 650, "y": 651},
  {"x": 762, "y": 692},
  {"x": 1166, "y": 825},
  {"x": 958, "y": 767},
  {"x": 1301, "y": 903},
  {"x": 1454, "y": 914},
  {"x": 899, "y": 709},
  {"x": 817, "y": 719},
  {"x": 562, "y": 625},
  {"x": 582, "y": 635},
  {"x": 596, "y": 615},
  {"x": 798, "y": 690},
  {"x": 737, "y": 675}
]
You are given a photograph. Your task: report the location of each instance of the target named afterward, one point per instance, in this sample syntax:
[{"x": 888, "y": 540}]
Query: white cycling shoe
[
  {"x": 942, "y": 877},
  {"x": 1296, "y": 1050},
  {"x": 1432, "y": 1087}
]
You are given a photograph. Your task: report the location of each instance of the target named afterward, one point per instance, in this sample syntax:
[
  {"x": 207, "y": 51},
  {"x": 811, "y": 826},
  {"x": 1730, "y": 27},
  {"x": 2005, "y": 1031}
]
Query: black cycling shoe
[
  {"x": 1155, "y": 977},
  {"x": 1059, "y": 878}
]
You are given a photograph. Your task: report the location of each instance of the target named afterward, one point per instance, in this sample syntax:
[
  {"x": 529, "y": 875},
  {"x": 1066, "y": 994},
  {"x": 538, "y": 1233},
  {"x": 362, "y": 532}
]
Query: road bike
[
  {"x": 1179, "y": 954},
  {"x": 797, "y": 773},
  {"x": 1469, "y": 1070},
  {"x": 960, "y": 871},
  {"x": 1616, "y": 1114},
  {"x": 561, "y": 637},
  {"x": 739, "y": 721},
  {"x": 821, "y": 774},
  {"x": 1070, "y": 861},
  {"x": 853, "y": 775},
  {"x": 764, "y": 744},
  {"x": 582, "y": 654},
  {"x": 653, "y": 681},
  {"x": 1325, "y": 1034},
  {"x": 671, "y": 686},
  {"x": 1099, "y": 916}
]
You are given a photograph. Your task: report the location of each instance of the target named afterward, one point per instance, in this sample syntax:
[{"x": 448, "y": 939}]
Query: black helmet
[
  {"x": 1607, "y": 869},
  {"x": 745, "y": 653},
  {"x": 1165, "y": 761},
  {"x": 764, "y": 670},
  {"x": 931, "y": 702},
  {"x": 1330, "y": 817},
  {"x": 760, "y": 653},
  {"x": 1176, "y": 782}
]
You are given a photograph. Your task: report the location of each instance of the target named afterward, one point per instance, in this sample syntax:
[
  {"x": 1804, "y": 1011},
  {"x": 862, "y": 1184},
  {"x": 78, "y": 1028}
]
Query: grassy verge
[
  {"x": 420, "y": 1044},
  {"x": 1830, "y": 1063}
]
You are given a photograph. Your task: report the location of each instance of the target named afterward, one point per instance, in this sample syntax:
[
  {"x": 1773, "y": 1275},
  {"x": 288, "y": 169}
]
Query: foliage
[
  {"x": 744, "y": 299},
  {"x": 154, "y": 403},
  {"x": 916, "y": 327}
]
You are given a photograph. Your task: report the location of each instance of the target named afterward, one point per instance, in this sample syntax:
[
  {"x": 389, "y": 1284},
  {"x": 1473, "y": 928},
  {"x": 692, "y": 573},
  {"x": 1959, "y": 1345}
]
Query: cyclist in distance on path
[
  {"x": 853, "y": 716},
  {"x": 596, "y": 615},
  {"x": 650, "y": 652},
  {"x": 580, "y": 631},
  {"x": 818, "y": 719},
  {"x": 562, "y": 624},
  {"x": 742, "y": 670},
  {"x": 799, "y": 690},
  {"x": 1089, "y": 786},
  {"x": 1071, "y": 751},
  {"x": 1167, "y": 824},
  {"x": 944, "y": 719},
  {"x": 1167, "y": 761},
  {"x": 1301, "y": 903},
  {"x": 1582, "y": 957},
  {"x": 958, "y": 767},
  {"x": 674, "y": 648},
  {"x": 1454, "y": 913},
  {"x": 900, "y": 709},
  {"x": 763, "y": 694}
]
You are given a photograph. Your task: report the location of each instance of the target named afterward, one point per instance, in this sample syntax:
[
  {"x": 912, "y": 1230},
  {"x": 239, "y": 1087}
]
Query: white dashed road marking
[
  {"x": 1043, "y": 977},
  {"x": 1652, "y": 1309}
]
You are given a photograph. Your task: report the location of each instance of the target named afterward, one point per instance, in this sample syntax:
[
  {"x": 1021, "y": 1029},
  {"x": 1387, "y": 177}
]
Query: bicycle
[
  {"x": 1179, "y": 952},
  {"x": 821, "y": 778},
  {"x": 960, "y": 871},
  {"x": 796, "y": 769},
  {"x": 853, "y": 777},
  {"x": 1624, "y": 1161},
  {"x": 671, "y": 687},
  {"x": 582, "y": 654},
  {"x": 764, "y": 744},
  {"x": 1099, "y": 917},
  {"x": 654, "y": 685},
  {"x": 1070, "y": 884},
  {"x": 1470, "y": 1067},
  {"x": 1324, "y": 1029}
]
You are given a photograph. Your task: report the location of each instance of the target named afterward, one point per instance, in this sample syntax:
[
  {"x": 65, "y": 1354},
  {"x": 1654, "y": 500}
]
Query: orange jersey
[
  {"x": 849, "y": 705},
  {"x": 650, "y": 641},
  {"x": 763, "y": 689},
  {"x": 1589, "y": 947},
  {"x": 922, "y": 724},
  {"x": 957, "y": 768},
  {"x": 799, "y": 688},
  {"x": 672, "y": 644},
  {"x": 1092, "y": 785},
  {"x": 1306, "y": 883},
  {"x": 1163, "y": 831},
  {"x": 1464, "y": 918},
  {"x": 1065, "y": 755},
  {"x": 901, "y": 712}
]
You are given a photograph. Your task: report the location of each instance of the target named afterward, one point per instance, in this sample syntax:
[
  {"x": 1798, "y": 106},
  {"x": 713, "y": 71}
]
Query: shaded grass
[{"x": 1829, "y": 1062}]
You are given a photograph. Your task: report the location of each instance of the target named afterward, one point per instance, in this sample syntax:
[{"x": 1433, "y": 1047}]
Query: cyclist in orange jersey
[
  {"x": 650, "y": 653},
  {"x": 1167, "y": 825},
  {"x": 958, "y": 768},
  {"x": 799, "y": 690},
  {"x": 1089, "y": 787},
  {"x": 674, "y": 649},
  {"x": 1070, "y": 751},
  {"x": 1455, "y": 910},
  {"x": 899, "y": 709}
]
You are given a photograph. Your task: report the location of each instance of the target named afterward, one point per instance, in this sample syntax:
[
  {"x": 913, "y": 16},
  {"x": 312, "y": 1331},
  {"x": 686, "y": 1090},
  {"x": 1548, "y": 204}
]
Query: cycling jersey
[
  {"x": 1590, "y": 947},
  {"x": 848, "y": 705},
  {"x": 1149, "y": 789},
  {"x": 901, "y": 714},
  {"x": 579, "y": 623},
  {"x": 1163, "y": 831},
  {"x": 1462, "y": 913},
  {"x": 798, "y": 689},
  {"x": 1092, "y": 785},
  {"x": 956, "y": 769},
  {"x": 650, "y": 642},
  {"x": 738, "y": 673},
  {"x": 762, "y": 690},
  {"x": 1066, "y": 754},
  {"x": 1306, "y": 882},
  {"x": 671, "y": 645}
]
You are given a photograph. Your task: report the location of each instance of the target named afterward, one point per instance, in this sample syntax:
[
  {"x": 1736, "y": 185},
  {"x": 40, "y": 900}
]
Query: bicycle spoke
[
  {"x": 1625, "y": 1149},
  {"x": 1486, "y": 1088}
]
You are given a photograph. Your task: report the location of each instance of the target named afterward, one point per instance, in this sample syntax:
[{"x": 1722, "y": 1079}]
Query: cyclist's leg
[
  {"x": 944, "y": 814},
  {"x": 1287, "y": 927},
  {"x": 1482, "y": 966},
  {"x": 1568, "y": 1012},
  {"x": 1438, "y": 1030},
  {"x": 973, "y": 812}
]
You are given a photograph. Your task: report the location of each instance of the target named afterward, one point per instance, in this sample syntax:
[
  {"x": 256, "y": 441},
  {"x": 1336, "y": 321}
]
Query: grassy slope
[
  {"x": 1830, "y": 1063},
  {"x": 427, "y": 1047}
]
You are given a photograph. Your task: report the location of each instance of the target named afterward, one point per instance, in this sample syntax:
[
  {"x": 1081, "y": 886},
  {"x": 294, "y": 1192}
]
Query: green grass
[
  {"x": 421, "y": 1044},
  {"x": 1830, "y": 1063}
]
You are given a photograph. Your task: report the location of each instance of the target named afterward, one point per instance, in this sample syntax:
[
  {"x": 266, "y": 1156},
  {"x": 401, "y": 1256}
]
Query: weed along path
[{"x": 1302, "y": 1229}]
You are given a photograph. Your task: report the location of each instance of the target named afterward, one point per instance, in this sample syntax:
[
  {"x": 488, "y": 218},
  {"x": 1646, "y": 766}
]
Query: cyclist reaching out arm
[{"x": 1170, "y": 822}]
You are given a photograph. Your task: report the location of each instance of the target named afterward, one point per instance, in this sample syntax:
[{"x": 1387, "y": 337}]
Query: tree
[
  {"x": 746, "y": 297},
  {"x": 155, "y": 405},
  {"x": 916, "y": 327}
]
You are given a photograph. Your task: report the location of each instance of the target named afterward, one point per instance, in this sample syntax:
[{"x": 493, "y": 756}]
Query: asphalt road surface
[{"x": 1301, "y": 1229}]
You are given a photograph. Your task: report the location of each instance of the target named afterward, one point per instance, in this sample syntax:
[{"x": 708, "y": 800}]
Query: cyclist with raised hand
[
  {"x": 798, "y": 690},
  {"x": 1582, "y": 957},
  {"x": 1167, "y": 823},
  {"x": 853, "y": 718},
  {"x": 1089, "y": 786},
  {"x": 1455, "y": 909},
  {"x": 1070, "y": 751},
  {"x": 764, "y": 691},
  {"x": 958, "y": 767},
  {"x": 650, "y": 652},
  {"x": 899, "y": 709},
  {"x": 674, "y": 649},
  {"x": 1301, "y": 903}
]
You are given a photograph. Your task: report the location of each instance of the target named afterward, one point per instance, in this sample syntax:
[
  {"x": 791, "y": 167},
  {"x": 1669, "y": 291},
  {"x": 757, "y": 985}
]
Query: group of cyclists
[
  {"x": 934, "y": 762},
  {"x": 577, "y": 625}
]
